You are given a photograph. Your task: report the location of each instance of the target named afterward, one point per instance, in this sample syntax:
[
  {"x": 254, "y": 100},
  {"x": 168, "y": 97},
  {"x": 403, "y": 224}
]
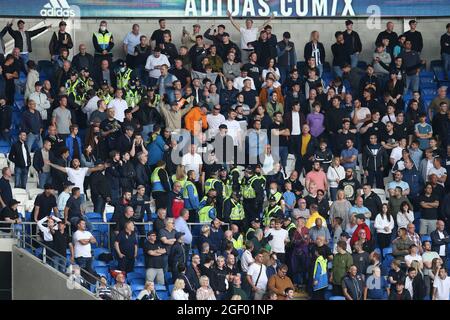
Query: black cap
[
  {"x": 122, "y": 63},
  {"x": 68, "y": 184},
  {"x": 225, "y": 34},
  {"x": 286, "y": 35},
  {"x": 13, "y": 202},
  {"x": 73, "y": 73},
  {"x": 249, "y": 168},
  {"x": 256, "y": 220},
  {"x": 348, "y": 22},
  {"x": 84, "y": 69},
  {"x": 223, "y": 169},
  {"x": 48, "y": 186},
  {"x": 223, "y": 126}
]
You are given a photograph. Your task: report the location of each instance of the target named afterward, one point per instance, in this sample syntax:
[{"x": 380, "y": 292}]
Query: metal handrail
[{"x": 23, "y": 243}]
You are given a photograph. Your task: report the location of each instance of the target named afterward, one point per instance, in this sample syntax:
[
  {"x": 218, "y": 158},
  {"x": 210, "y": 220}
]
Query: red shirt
[{"x": 355, "y": 236}]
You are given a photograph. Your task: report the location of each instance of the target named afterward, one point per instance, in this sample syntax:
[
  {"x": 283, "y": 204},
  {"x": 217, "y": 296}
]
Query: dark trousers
[
  {"x": 160, "y": 199},
  {"x": 126, "y": 264},
  {"x": 337, "y": 290},
  {"x": 294, "y": 145},
  {"x": 384, "y": 240},
  {"x": 377, "y": 176},
  {"x": 250, "y": 209},
  {"x": 98, "y": 201},
  {"x": 319, "y": 294},
  {"x": 86, "y": 265},
  {"x": 131, "y": 61}
]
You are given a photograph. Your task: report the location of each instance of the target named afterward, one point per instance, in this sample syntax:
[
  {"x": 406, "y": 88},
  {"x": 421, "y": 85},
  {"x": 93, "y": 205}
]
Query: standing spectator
[
  {"x": 342, "y": 262},
  {"x": 5, "y": 187},
  {"x": 441, "y": 286},
  {"x": 414, "y": 36},
  {"x": 315, "y": 49},
  {"x": 40, "y": 157},
  {"x": 154, "y": 253},
  {"x": 82, "y": 240},
  {"x": 126, "y": 247},
  {"x": 257, "y": 278},
  {"x": 352, "y": 42},
  {"x": 388, "y": 34},
  {"x": 287, "y": 57},
  {"x": 131, "y": 41},
  {"x": 22, "y": 38},
  {"x": 412, "y": 63},
  {"x": 341, "y": 54},
  {"x": 384, "y": 224},
  {"x": 60, "y": 40},
  {"x": 353, "y": 285},
  {"x": 41, "y": 100},
  {"x": 20, "y": 156},
  {"x": 377, "y": 287},
  {"x": 429, "y": 204},
  {"x": 103, "y": 42},
  {"x": 32, "y": 124},
  {"x": 279, "y": 282},
  {"x": 399, "y": 292},
  {"x": 205, "y": 292},
  {"x": 61, "y": 242},
  {"x": 445, "y": 50},
  {"x": 374, "y": 161},
  {"x": 83, "y": 59},
  {"x": 62, "y": 118},
  {"x": 440, "y": 240},
  {"x": 157, "y": 36}
]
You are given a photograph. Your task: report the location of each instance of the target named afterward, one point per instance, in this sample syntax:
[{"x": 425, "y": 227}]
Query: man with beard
[{"x": 350, "y": 185}]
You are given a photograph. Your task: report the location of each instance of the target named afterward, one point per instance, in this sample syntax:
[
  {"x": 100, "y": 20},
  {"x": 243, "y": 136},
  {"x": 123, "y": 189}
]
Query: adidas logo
[{"x": 57, "y": 8}]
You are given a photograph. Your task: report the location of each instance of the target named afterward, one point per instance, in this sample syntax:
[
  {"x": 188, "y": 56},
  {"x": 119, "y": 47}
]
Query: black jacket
[
  {"x": 311, "y": 148},
  {"x": 373, "y": 203},
  {"x": 264, "y": 51},
  {"x": 38, "y": 161},
  {"x": 58, "y": 177},
  {"x": 5, "y": 117},
  {"x": 56, "y": 43},
  {"x": 142, "y": 174},
  {"x": 374, "y": 163},
  {"x": 341, "y": 55},
  {"x": 418, "y": 285},
  {"x": 352, "y": 42},
  {"x": 392, "y": 36},
  {"x": 193, "y": 278},
  {"x": 100, "y": 185},
  {"x": 189, "y": 287},
  {"x": 16, "y": 155},
  {"x": 112, "y": 173},
  {"x": 127, "y": 175},
  {"x": 436, "y": 242},
  {"x": 98, "y": 77},
  {"x": 176, "y": 256},
  {"x": 18, "y": 40},
  {"x": 309, "y": 49},
  {"x": 218, "y": 279},
  {"x": 145, "y": 208}
]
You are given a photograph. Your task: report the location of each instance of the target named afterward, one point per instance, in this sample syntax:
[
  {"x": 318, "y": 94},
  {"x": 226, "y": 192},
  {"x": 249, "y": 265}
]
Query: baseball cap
[
  {"x": 256, "y": 220},
  {"x": 73, "y": 73},
  {"x": 84, "y": 69}
]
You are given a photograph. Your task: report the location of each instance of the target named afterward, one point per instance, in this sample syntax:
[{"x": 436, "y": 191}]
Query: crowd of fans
[{"x": 203, "y": 133}]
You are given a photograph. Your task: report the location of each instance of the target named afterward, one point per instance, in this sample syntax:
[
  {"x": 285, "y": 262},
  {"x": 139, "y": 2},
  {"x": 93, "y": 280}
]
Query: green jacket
[{"x": 341, "y": 264}]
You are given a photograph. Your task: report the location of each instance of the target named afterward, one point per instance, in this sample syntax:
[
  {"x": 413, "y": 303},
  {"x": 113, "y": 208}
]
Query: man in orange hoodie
[{"x": 196, "y": 120}]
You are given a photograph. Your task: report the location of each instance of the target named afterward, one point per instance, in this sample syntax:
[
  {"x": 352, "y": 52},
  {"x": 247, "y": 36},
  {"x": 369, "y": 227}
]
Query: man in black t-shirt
[
  {"x": 181, "y": 73},
  {"x": 373, "y": 126},
  {"x": 158, "y": 35},
  {"x": 61, "y": 241},
  {"x": 254, "y": 71},
  {"x": 72, "y": 210},
  {"x": 278, "y": 128},
  {"x": 45, "y": 203},
  {"x": 350, "y": 185},
  {"x": 154, "y": 253},
  {"x": 429, "y": 205}
]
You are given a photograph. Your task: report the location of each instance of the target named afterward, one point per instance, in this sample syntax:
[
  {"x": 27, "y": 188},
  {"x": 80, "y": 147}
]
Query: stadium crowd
[{"x": 300, "y": 175}]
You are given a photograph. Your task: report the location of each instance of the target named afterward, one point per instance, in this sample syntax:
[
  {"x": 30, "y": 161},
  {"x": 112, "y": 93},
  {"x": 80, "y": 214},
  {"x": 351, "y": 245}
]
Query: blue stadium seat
[
  {"x": 109, "y": 216},
  {"x": 134, "y": 275},
  {"x": 102, "y": 270},
  {"x": 160, "y": 287},
  {"x": 98, "y": 263},
  {"x": 387, "y": 251},
  {"x": 137, "y": 287},
  {"x": 140, "y": 270},
  {"x": 163, "y": 295},
  {"x": 137, "y": 281},
  {"x": 425, "y": 237},
  {"x": 337, "y": 298},
  {"x": 99, "y": 251},
  {"x": 362, "y": 65}
]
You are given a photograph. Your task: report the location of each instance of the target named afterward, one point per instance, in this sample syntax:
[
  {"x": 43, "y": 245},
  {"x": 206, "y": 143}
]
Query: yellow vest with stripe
[
  {"x": 290, "y": 227},
  {"x": 209, "y": 184},
  {"x": 203, "y": 214},
  {"x": 156, "y": 182},
  {"x": 185, "y": 190},
  {"x": 123, "y": 78},
  {"x": 237, "y": 211},
  {"x": 248, "y": 231},
  {"x": 238, "y": 243},
  {"x": 104, "y": 96},
  {"x": 278, "y": 196},
  {"x": 133, "y": 98},
  {"x": 85, "y": 83},
  {"x": 71, "y": 87},
  {"x": 248, "y": 192},
  {"x": 227, "y": 188},
  {"x": 268, "y": 214},
  {"x": 103, "y": 39}
]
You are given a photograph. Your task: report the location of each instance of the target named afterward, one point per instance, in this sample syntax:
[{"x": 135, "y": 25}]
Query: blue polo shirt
[{"x": 347, "y": 153}]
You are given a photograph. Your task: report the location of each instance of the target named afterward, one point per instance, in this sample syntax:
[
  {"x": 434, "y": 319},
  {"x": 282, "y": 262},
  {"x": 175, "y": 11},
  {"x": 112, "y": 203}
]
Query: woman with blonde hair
[
  {"x": 205, "y": 292},
  {"x": 315, "y": 49},
  {"x": 149, "y": 292},
  {"x": 178, "y": 290},
  {"x": 180, "y": 176}
]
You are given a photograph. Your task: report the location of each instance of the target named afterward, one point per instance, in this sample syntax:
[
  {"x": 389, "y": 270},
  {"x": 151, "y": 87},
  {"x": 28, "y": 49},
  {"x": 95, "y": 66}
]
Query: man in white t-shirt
[
  {"x": 248, "y": 34},
  {"x": 153, "y": 65},
  {"x": 82, "y": 240},
  {"x": 119, "y": 105},
  {"x": 193, "y": 161},
  {"x": 279, "y": 239},
  {"x": 439, "y": 171},
  {"x": 257, "y": 277},
  {"x": 441, "y": 286},
  {"x": 214, "y": 119},
  {"x": 247, "y": 258},
  {"x": 233, "y": 126},
  {"x": 77, "y": 174}
]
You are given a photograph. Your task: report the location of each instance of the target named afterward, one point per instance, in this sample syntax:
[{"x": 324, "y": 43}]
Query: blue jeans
[
  {"x": 320, "y": 69},
  {"x": 85, "y": 264},
  {"x": 59, "y": 263},
  {"x": 354, "y": 60},
  {"x": 446, "y": 62},
  {"x": 333, "y": 193},
  {"x": 337, "y": 71},
  {"x": 20, "y": 177},
  {"x": 284, "y": 72},
  {"x": 412, "y": 82},
  {"x": 283, "y": 153},
  {"x": 25, "y": 57},
  {"x": 44, "y": 177},
  {"x": 31, "y": 139}
]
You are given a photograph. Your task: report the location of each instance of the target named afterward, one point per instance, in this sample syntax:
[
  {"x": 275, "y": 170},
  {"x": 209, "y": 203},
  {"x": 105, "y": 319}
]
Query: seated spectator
[
  {"x": 178, "y": 290},
  {"x": 121, "y": 290},
  {"x": 205, "y": 292},
  {"x": 148, "y": 293}
]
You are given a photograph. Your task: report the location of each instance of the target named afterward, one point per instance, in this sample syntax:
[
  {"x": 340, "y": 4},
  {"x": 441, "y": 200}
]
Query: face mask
[
  {"x": 132, "y": 87},
  {"x": 103, "y": 28},
  {"x": 122, "y": 69}
]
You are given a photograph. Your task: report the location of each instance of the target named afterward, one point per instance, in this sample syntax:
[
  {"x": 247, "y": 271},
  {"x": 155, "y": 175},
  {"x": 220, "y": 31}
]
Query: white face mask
[
  {"x": 103, "y": 28},
  {"x": 122, "y": 69}
]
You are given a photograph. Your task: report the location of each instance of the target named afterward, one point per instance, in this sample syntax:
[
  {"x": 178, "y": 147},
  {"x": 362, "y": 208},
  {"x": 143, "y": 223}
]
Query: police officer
[
  {"x": 123, "y": 76},
  {"x": 253, "y": 194},
  {"x": 272, "y": 211},
  {"x": 235, "y": 179},
  {"x": 289, "y": 226},
  {"x": 85, "y": 79},
  {"x": 208, "y": 212},
  {"x": 255, "y": 224},
  {"x": 104, "y": 93},
  {"x": 233, "y": 211},
  {"x": 190, "y": 196},
  {"x": 103, "y": 42},
  {"x": 133, "y": 95},
  {"x": 214, "y": 183},
  {"x": 226, "y": 182},
  {"x": 71, "y": 83}
]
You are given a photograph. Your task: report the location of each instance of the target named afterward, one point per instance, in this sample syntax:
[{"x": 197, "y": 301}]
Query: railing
[{"x": 47, "y": 255}]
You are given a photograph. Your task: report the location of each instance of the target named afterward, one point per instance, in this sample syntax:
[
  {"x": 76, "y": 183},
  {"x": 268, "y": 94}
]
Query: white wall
[{"x": 300, "y": 30}]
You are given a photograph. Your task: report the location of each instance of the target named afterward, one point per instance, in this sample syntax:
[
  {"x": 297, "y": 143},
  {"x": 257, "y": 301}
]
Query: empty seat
[
  {"x": 387, "y": 251},
  {"x": 163, "y": 295},
  {"x": 33, "y": 192},
  {"x": 337, "y": 298}
]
